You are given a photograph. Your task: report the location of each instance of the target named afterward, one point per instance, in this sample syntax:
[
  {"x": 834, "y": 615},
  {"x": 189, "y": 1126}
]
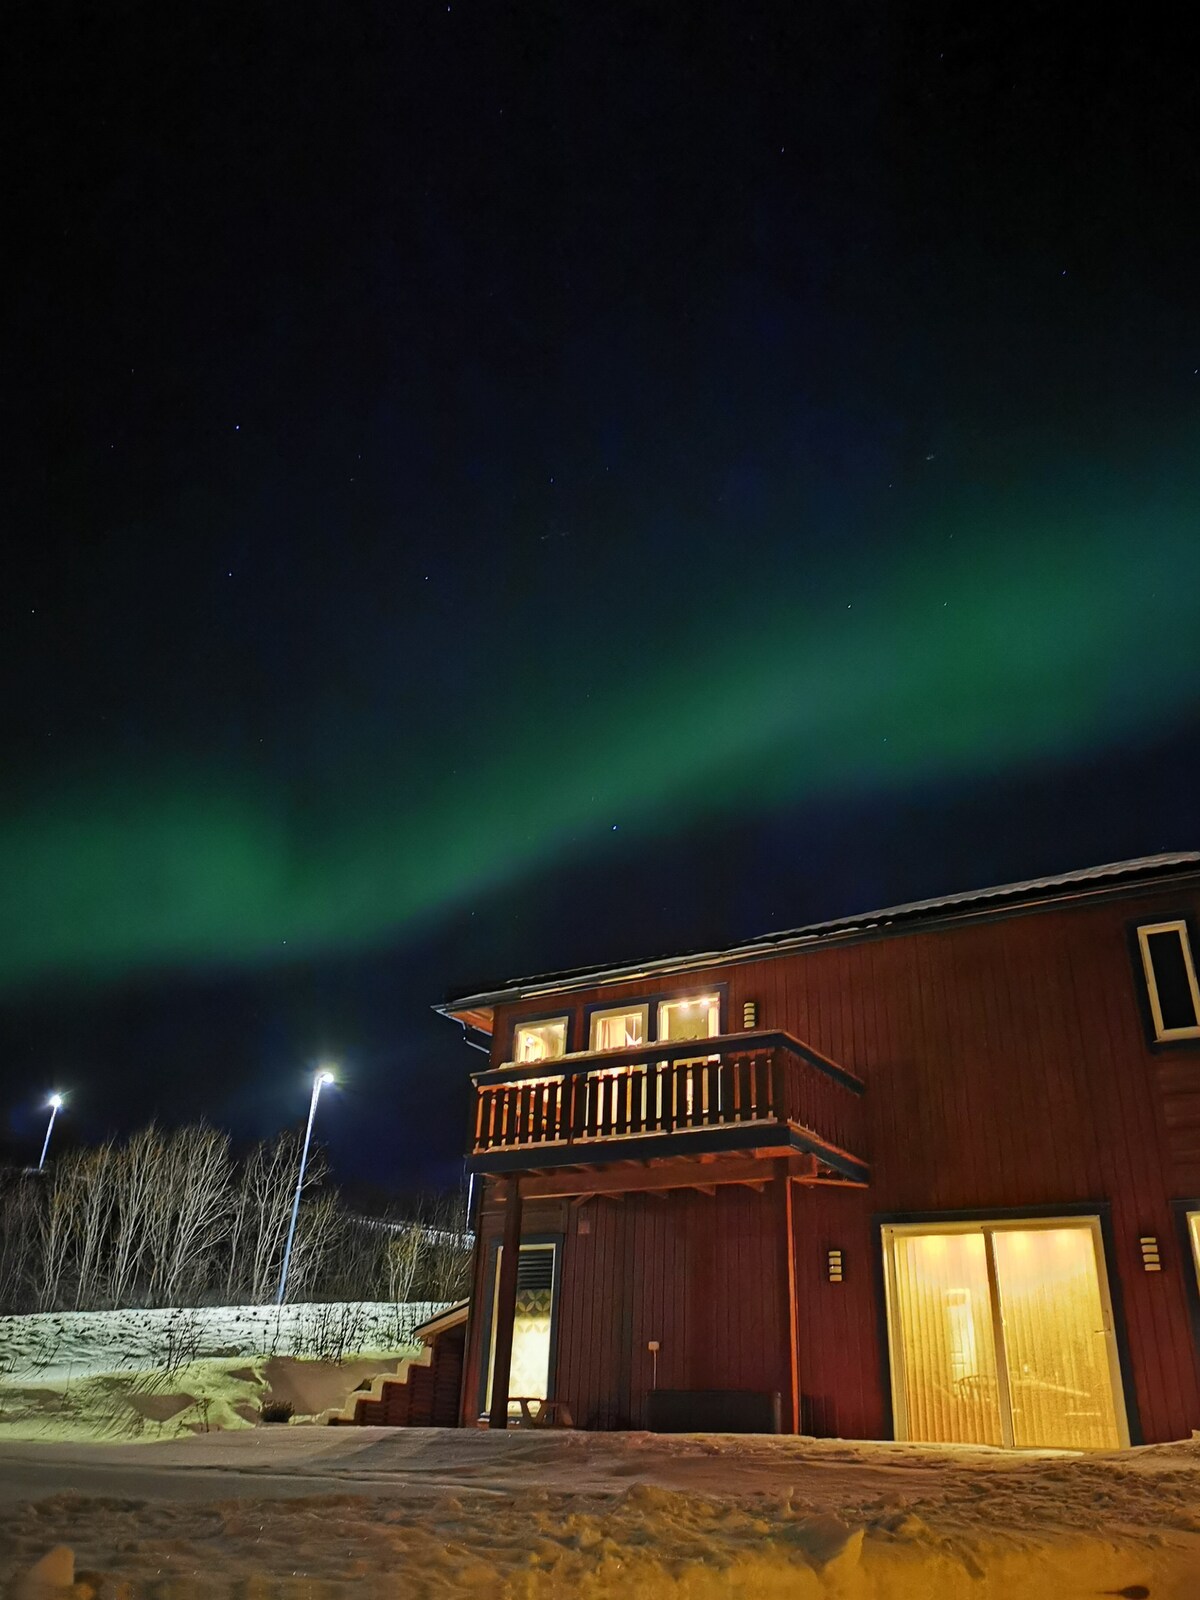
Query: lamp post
[
  {"x": 54, "y": 1103},
  {"x": 322, "y": 1078}
]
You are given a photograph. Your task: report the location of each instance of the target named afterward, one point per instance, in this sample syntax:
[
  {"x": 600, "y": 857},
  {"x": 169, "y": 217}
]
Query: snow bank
[
  {"x": 56, "y": 1346},
  {"x": 129, "y": 1375}
]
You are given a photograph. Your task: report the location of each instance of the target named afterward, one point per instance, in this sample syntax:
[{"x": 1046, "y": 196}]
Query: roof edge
[{"x": 1113, "y": 879}]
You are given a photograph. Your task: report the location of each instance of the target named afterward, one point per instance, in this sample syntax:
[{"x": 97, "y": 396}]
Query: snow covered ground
[
  {"x": 56, "y": 1346},
  {"x": 307, "y": 1513},
  {"x": 159, "y": 1374}
]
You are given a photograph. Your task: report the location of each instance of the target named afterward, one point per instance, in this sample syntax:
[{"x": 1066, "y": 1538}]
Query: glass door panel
[
  {"x": 1055, "y": 1338},
  {"x": 942, "y": 1320},
  {"x": 1002, "y": 1334},
  {"x": 529, "y": 1372}
]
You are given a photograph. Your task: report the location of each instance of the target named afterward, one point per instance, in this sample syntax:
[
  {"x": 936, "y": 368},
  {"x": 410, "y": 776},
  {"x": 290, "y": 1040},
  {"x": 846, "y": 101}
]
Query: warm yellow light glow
[
  {"x": 617, "y": 1030},
  {"x": 1011, "y": 1349},
  {"x": 540, "y": 1041},
  {"x": 697, "y": 1018}
]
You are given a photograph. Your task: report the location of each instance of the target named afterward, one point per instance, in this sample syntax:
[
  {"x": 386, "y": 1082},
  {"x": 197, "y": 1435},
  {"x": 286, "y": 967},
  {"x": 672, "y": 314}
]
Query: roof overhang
[{"x": 1117, "y": 878}]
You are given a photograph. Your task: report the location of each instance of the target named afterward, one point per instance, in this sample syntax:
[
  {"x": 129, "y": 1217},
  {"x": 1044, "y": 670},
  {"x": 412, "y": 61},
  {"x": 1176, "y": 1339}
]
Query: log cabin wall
[{"x": 1008, "y": 1066}]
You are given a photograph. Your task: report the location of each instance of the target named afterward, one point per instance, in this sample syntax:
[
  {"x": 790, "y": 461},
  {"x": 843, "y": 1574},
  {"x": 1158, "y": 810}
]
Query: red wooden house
[{"x": 931, "y": 1173}]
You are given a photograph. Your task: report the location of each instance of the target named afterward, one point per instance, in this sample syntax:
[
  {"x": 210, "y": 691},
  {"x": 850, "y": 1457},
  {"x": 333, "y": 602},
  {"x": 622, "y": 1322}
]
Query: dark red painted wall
[{"x": 1007, "y": 1066}]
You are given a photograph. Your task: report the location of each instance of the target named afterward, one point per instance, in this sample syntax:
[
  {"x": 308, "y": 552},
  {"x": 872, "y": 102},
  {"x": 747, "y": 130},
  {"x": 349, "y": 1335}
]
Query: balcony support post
[
  {"x": 783, "y": 1199},
  {"x": 506, "y": 1303}
]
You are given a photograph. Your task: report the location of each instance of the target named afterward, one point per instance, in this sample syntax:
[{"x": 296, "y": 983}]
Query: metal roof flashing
[{"x": 1113, "y": 877}]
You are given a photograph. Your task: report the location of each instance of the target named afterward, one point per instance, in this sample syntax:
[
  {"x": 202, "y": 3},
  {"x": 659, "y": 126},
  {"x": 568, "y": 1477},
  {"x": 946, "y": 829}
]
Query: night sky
[{"x": 490, "y": 487}]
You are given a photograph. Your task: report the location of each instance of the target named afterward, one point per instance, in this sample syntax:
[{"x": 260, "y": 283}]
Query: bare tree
[
  {"x": 19, "y": 1243},
  {"x": 169, "y": 1220},
  {"x": 402, "y": 1252},
  {"x": 317, "y": 1231},
  {"x": 139, "y": 1174},
  {"x": 446, "y": 1265},
  {"x": 190, "y": 1214},
  {"x": 262, "y": 1212},
  {"x": 93, "y": 1220},
  {"x": 59, "y": 1222}
]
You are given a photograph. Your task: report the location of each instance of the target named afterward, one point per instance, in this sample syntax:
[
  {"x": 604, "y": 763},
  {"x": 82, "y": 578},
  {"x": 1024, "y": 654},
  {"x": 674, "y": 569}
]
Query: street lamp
[
  {"x": 54, "y": 1102},
  {"x": 322, "y": 1078}
]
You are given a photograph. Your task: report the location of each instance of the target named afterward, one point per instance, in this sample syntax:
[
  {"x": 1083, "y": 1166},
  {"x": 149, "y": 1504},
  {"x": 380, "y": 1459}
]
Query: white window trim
[
  {"x": 1161, "y": 1032},
  {"x": 891, "y": 1230}
]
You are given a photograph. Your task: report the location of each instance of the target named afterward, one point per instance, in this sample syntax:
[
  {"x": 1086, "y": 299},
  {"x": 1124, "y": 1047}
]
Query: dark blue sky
[{"x": 494, "y": 488}]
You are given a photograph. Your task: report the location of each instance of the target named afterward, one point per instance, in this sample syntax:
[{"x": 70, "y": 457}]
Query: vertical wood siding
[{"x": 1007, "y": 1066}]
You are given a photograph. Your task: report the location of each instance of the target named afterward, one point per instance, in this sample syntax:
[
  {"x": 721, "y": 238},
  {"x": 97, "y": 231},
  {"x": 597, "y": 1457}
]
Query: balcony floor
[{"x": 700, "y": 1159}]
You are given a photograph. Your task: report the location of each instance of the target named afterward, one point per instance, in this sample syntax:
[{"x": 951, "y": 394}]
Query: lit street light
[
  {"x": 54, "y": 1102},
  {"x": 319, "y": 1082}
]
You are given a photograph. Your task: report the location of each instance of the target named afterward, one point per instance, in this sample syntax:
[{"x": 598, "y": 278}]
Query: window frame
[
  {"x": 1094, "y": 1218},
  {"x": 713, "y": 993},
  {"x": 598, "y": 1013},
  {"x": 1159, "y": 1032},
  {"x": 538, "y": 1021},
  {"x": 652, "y": 999}
]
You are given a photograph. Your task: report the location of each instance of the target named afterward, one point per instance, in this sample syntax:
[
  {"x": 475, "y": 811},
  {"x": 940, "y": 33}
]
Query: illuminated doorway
[
  {"x": 529, "y": 1373},
  {"x": 1002, "y": 1334}
]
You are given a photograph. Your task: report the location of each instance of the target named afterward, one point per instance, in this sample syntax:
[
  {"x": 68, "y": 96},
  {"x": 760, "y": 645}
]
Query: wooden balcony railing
[{"x": 577, "y": 1108}]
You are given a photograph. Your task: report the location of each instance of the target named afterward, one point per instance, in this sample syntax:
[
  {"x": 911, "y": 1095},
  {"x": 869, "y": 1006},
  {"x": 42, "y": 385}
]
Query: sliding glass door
[{"x": 1002, "y": 1333}]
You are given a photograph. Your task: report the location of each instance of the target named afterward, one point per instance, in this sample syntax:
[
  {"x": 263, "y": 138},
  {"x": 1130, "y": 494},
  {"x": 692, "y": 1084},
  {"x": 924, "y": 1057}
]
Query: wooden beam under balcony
[
  {"x": 760, "y": 1142},
  {"x": 681, "y": 1174}
]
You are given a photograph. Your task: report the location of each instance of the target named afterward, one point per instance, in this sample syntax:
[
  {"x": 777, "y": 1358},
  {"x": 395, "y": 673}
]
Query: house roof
[
  {"x": 475, "y": 1010},
  {"x": 441, "y": 1321}
]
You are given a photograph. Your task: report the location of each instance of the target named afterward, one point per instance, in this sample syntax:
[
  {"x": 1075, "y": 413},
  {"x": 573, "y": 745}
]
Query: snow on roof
[
  {"x": 1137, "y": 869},
  {"x": 1113, "y": 873},
  {"x": 451, "y": 1317}
]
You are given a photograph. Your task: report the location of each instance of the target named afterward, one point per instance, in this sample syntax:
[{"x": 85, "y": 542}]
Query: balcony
[{"x": 749, "y": 1095}]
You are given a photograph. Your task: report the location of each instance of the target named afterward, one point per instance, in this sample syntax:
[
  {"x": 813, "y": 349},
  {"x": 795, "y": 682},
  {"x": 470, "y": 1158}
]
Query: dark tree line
[{"x": 173, "y": 1219}]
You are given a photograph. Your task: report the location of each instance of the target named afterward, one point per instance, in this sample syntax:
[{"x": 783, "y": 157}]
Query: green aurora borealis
[{"x": 1005, "y": 631}]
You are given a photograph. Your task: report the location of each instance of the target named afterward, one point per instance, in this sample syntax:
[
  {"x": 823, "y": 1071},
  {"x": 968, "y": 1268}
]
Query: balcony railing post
[
  {"x": 779, "y": 1086},
  {"x": 577, "y": 1102}
]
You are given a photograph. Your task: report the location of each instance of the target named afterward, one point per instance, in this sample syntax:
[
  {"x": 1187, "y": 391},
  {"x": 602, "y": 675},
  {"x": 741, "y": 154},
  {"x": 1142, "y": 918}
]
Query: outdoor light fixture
[
  {"x": 834, "y": 1265},
  {"x": 1150, "y": 1256},
  {"x": 54, "y": 1102},
  {"x": 323, "y": 1077},
  {"x": 749, "y": 1013}
]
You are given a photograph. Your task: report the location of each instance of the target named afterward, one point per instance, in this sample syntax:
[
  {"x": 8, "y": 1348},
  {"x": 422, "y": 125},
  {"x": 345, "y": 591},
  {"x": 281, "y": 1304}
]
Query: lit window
[
  {"x": 1193, "y": 1221},
  {"x": 617, "y": 1030},
  {"x": 540, "y": 1041},
  {"x": 1170, "y": 980},
  {"x": 698, "y": 1017}
]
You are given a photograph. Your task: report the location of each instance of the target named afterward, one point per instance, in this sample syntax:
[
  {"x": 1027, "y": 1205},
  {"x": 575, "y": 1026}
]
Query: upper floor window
[
  {"x": 1170, "y": 980},
  {"x": 619, "y": 1028},
  {"x": 540, "y": 1041},
  {"x": 697, "y": 1017}
]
